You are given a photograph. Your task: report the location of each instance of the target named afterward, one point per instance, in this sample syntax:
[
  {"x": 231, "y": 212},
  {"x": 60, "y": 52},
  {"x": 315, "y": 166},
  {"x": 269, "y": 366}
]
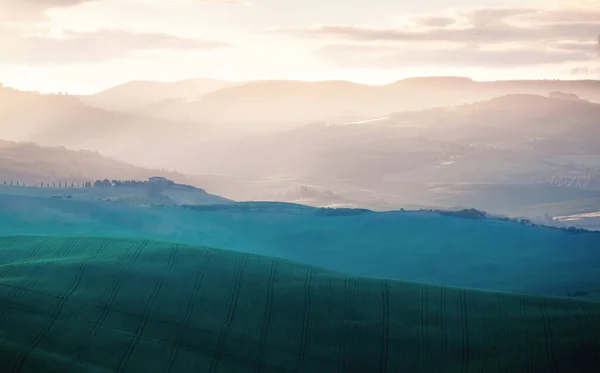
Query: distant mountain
[
  {"x": 278, "y": 103},
  {"x": 428, "y": 92},
  {"x": 61, "y": 120},
  {"x": 67, "y": 120},
  {"x": 515, "y": 154},
  {"x": 537, "y": 119},
  {"x": 469, "y": 88},
  {"x": 274, "y": 103},
  {"x": 138, "y": 94},
  {"x": 292, "y": 102},
  {"x": 441, "y": 156}
]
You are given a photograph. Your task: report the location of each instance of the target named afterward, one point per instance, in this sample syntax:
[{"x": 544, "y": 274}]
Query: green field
[
  {"x": 108, "y": 305},
  {"x": 404, "y": 245}
]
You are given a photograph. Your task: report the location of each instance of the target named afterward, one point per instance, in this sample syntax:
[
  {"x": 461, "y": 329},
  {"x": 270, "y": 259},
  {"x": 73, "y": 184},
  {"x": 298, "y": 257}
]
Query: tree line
[
  {"x": 118, "y": 183},
  {"x": 53, "y": 184},
  {"x": 105, "y": 183}
]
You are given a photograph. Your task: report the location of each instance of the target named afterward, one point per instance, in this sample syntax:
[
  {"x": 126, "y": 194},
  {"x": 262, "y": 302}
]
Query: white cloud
[
  {"x": 478, "y": 37},
  {"x": 391, "y": 57},
  {"x": 28, "y": 10},
  {"x": 493, "y": 25},
  {"x": 85, "y": 47}
]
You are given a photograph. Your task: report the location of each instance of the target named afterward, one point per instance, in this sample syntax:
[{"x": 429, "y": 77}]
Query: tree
[{"x": 102, "y": 183}]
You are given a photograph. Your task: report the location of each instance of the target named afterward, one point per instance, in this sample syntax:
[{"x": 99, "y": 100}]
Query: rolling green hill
[
  {"x": 406, "y": 245},
  {"x": 108, "y": 305}
]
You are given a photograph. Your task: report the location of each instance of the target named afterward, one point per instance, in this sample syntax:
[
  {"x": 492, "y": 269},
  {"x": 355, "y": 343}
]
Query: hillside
[
  {"x": 517, "y": 154},
  {"x": 293, "y": 102},
  {"x": 137, "y": 94},
  {"x": 486, "y": 154},
  {"x": 544, "y": 112},
  {"x": 32, "y": 163},
  {"x": 257, "y": 104},
  {"x": 64, "y": 120},
  {"x": 290, "y": 101},
  {"x": 546, "y": 123},
  {"x": 407, "y": 245},
  {"x": 103, "y": 305},
  {"x": 447, "y": 91}
]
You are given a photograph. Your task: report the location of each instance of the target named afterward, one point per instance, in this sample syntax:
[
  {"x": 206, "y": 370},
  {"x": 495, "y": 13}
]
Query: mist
[
  {"x": 228, "y": 186},
  {"x": 513, "y": 147}
]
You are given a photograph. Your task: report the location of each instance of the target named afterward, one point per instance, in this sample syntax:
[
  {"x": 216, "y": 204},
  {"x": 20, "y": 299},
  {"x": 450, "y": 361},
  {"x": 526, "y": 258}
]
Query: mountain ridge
[
  {"x": 303, "y": 101},
  {"x": 139, "y": 93}
]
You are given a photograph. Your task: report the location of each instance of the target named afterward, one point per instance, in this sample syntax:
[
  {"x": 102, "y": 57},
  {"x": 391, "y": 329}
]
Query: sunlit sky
[{"x": 84, "y": 46}]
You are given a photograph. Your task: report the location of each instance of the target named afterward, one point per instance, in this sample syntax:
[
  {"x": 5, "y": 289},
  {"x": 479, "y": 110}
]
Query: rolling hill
[
  {"x": 65, "y": 120},
  {"x": 77, "y": 304},
  {"x": 31, "y": 163},
  {"x": 60, "y": 120},
  {"x": 409, "y": 245},
  {"x": 135, "y": 95},
  {"x": 483, "y": 154},
  {"x": 257, "y": 104},
  {"x": 514, "y": 120},
  {"x": 265, "y": 103},
  {"x": 517, "y": 154}
]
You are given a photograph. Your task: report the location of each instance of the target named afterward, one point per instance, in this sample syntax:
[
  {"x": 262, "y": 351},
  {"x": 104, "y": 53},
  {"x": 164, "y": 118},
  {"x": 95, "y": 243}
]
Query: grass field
[
  {"x": 75, "y": 304},
  {"x": 415, "y": 246}
]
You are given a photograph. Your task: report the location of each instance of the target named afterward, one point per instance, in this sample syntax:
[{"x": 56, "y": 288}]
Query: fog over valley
[{"x": 456, "y": 143}]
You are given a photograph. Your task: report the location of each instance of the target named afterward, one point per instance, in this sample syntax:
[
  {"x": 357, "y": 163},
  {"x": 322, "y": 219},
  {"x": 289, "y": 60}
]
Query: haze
[
  {"x": 229, "y": 186},
  {"x": 382, "y": 104},
  {"x": 80, "y": 46}
]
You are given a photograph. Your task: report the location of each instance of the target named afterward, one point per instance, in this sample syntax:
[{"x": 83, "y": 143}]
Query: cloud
[
  {"x": 435, "y": 21},
  {"x": 26, "y": 10},
  {"x": 481, "y": 26},
  {"x": 15, "y": 11},
  {"x": 458, "y": 35},
  {"x": 85, "y": 47},
  {"x": 239, "y": 2},
  {"x": 586, "y": 47},
  {"x": 243, "y": 2},
  {"x": 587, "y": 4},
  {"x": 389, "y": 57},
  {"x": 585, "y": 72},
  {"x": 508, "y": 36}
]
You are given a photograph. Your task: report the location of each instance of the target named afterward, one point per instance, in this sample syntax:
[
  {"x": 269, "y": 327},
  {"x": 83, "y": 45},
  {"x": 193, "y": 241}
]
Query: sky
[{"x": 84, "y": 46}]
